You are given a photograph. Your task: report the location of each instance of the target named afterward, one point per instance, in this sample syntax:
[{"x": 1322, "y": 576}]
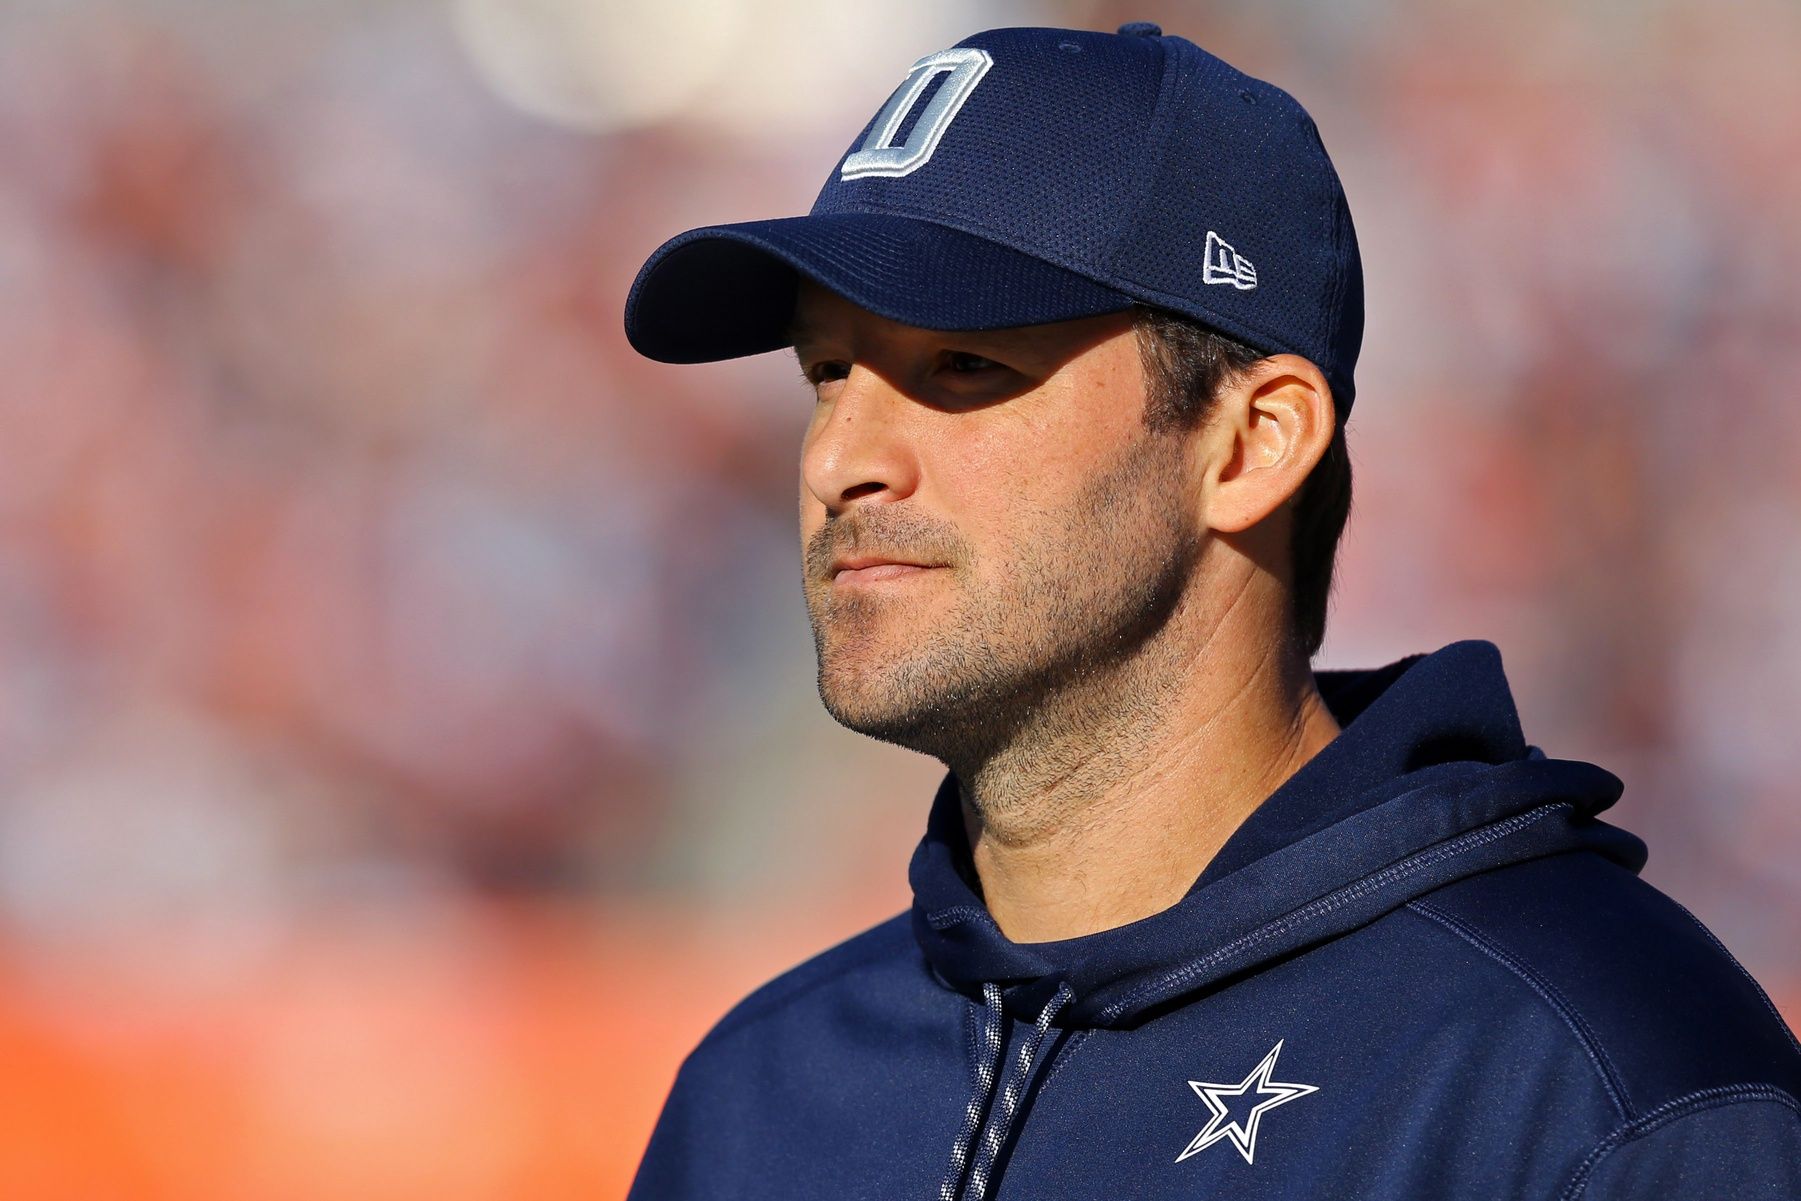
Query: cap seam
[
  {"x": 1335, "y": 302},
  {"x": 1155, "y": 146}
]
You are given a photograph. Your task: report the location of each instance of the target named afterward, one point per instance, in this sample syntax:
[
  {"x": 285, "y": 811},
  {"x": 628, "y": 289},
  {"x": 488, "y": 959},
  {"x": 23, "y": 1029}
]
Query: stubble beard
[{"x": 1040, "y": 656}]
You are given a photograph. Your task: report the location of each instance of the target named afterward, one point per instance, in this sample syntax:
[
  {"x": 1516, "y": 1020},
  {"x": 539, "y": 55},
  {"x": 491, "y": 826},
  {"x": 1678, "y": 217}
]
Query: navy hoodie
[{"x": 1422, "y": 968}]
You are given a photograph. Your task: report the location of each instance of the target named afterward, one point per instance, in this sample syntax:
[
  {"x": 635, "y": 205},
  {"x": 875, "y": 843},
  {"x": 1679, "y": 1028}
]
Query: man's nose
[{"x": 862, "y": 445}]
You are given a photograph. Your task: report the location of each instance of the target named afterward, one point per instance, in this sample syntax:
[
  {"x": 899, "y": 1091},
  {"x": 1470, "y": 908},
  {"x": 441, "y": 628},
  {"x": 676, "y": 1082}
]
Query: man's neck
[{"x": 1073, "y": 835}]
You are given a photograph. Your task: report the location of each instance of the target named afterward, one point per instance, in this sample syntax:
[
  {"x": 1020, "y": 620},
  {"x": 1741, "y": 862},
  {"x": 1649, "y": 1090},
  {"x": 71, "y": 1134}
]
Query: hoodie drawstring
[
  {"x": 988, "y": 1061},
  {"x": 987, "y": 1071}
]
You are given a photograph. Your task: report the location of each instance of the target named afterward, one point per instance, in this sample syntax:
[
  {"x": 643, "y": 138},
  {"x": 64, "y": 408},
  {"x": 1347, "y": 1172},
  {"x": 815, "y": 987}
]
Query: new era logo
[{"x": 1227, "y": 266}]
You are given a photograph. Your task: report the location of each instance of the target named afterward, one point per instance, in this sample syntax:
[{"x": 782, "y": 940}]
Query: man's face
[{"x": 987, "y": 521}]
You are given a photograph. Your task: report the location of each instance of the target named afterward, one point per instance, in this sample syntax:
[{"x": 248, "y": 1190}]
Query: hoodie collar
[
  {"x": 1455, "y": 707},
  {"x": 1429, "y": 779}
]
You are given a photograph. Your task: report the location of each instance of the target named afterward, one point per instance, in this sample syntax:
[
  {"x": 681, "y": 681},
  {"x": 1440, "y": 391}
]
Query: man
[{"x": 1081, "y": 313}]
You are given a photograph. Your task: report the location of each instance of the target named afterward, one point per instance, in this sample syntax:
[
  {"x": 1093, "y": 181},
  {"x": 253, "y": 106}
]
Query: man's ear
[{"x": 1265, "y": 434}]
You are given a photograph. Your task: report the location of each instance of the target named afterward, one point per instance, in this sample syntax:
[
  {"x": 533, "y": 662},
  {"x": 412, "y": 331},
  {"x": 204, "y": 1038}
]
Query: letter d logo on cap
[{"x": 878, "y": 156}]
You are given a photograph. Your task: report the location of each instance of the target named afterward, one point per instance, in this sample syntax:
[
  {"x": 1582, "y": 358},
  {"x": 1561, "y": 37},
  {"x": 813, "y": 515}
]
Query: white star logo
[{"x": 1243, "y": 1135}]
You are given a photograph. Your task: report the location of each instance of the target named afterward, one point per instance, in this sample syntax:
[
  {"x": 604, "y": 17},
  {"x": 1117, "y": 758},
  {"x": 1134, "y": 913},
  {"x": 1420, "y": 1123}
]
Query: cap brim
[{"x": 728, "y": 290}]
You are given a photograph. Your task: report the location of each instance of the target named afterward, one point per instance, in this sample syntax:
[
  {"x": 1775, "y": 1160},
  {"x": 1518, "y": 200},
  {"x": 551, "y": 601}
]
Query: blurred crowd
[{"x": 378, "y": 632}]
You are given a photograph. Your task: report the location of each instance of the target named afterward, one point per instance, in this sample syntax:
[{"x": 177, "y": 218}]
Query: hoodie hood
[{"x": 1429, "y": 780}]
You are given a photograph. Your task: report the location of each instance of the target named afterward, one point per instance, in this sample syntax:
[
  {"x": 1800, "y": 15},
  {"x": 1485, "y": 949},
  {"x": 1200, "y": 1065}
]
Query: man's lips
[{"x": 870, "y": 569}]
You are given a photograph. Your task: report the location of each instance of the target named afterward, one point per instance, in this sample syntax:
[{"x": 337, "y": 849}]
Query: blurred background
[{"x": 408, "y": 743}]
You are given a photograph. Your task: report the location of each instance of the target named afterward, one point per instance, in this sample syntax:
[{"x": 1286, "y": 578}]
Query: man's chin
[
  {"x": 872, "y": 703},
  {"x": 859, "y": 699},
  {"x": 928, "y": 712},
  {"x": 924, "y": 733}
]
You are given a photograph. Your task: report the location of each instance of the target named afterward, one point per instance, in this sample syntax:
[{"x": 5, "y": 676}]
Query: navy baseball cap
[{"x": 1034, "y": 175}]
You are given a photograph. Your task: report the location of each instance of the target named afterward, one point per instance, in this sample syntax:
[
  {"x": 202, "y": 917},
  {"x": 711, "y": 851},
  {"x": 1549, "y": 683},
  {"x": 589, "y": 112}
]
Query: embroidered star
[{"x": 1243, "y": 1135}]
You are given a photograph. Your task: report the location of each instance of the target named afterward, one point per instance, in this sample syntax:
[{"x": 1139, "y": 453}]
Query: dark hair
[{"x": 1186, "y": 364}]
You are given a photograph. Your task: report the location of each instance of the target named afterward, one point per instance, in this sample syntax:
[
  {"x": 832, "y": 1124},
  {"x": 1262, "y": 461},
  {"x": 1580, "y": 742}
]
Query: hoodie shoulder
[
  {"x": 887, "y": 942},
  {"x": 1659, "y": 1004}
]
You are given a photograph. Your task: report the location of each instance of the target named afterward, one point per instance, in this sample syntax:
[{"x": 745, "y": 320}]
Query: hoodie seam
[
  {"x": 1547, "y": 992},
  {"x": 777, "y": 995},
  {"x": 1063, "y": 1054},
  {"x": 941, "y": 919},
  {"x": 1747, "y": 976},
  {"x": 1670, "y": 1111},
  {"x": 1334, "y": 900}
]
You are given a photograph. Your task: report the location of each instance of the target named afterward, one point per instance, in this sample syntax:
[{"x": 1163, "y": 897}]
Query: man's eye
[
  {"x": 820, "y": 373},
  {"x": 968, "y": 364}
]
